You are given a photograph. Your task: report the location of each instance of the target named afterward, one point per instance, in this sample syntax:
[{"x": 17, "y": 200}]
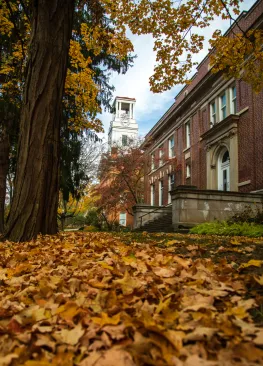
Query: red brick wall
[{"x": 250, "y": 138}]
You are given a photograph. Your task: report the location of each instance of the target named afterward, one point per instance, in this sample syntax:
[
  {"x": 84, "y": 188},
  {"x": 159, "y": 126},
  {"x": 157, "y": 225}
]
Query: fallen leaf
[
  {"x": 105, "y": 319},
  {"x": 163, "y": 272},
  {"x": 259, "y": 338},
  {"x": 6, "y": 360},
  {"x": 201, "y": 333},
  {"x": 70, "y": 337},
  {"x": 112, "y": 357},
  {"x": 252, "y": 262},
  {"x": 128, "y": 284}
]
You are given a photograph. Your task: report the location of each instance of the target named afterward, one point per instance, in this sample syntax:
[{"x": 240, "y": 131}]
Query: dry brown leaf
[
  {"x": 70, "y": 337},
  {"x": 6, "y": 360},
  {"x": 201, "y": 333},
  {"x": 128, "y": 284},
  {"x": 163, "y": 272},
  {"x": 112, "y": 357},
  {"x": 259, "y": 338}
]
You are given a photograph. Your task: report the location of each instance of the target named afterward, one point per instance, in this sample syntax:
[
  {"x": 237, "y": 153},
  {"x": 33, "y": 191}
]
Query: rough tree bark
[
  {"x": 4, "y": 156},
  {"x": 35, "y": 201}
]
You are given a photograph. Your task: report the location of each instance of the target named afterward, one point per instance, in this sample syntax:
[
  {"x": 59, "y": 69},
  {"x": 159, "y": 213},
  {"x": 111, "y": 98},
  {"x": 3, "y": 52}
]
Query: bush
[
  {"x": 248, "y": 215},
  {"x": 90, "y": 229},
  {"x": 229, "y": 229}
]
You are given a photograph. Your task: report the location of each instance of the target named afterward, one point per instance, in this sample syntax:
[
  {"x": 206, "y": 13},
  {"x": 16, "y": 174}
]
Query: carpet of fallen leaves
[{"x": 101, "y": 299}]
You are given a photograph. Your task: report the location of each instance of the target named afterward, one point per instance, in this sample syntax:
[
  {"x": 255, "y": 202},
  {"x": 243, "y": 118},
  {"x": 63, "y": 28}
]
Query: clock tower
[{"x": 123, "y": 125}]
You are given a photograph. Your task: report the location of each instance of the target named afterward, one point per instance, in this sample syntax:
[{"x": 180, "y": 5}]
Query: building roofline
[{"x": 125, "y": 98}]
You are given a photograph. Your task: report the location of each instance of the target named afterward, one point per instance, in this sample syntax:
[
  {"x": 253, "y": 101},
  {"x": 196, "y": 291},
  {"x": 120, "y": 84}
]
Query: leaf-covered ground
[{"x": 101, "y": 299}]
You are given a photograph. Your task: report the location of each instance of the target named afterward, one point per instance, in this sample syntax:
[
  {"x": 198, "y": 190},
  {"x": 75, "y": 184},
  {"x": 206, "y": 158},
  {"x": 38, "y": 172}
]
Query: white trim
[
  {"x": 188, "y": 171},
  {"x": 123, "y": 218},
  {"x": 161, "y": 192},
  {"x": 233, "y": 100},
  {"x": 241, "y": 184},
  {"x": 152, "y": 194},
  {"x": 171, "y": 148},
  {"x": 187, "y": 134},
  {"x": 242, "y": 111},
  {"x": 222, "y": 107}
]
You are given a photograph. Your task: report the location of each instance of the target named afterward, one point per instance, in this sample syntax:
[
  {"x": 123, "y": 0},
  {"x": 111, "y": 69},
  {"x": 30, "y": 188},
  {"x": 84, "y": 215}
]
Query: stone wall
[
  {"x": 145, "y": 213},
  {"x": 193, "y": 206}
]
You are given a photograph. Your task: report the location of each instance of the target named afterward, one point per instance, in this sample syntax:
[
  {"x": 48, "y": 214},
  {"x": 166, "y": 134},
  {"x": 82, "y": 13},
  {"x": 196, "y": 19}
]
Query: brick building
[{"x": 214, "y": 130}]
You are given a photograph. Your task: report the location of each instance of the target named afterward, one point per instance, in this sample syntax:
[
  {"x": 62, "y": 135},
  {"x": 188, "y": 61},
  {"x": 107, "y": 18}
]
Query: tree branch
[
  {"x": 12, "y": 17},
  {"x": 234, "y": 20}
]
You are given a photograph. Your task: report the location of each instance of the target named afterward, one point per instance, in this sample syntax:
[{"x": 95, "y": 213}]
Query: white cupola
[{"x": 123, "y": 125}]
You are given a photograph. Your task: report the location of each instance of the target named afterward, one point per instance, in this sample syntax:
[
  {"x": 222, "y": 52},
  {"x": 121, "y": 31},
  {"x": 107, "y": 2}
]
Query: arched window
[{"x": 225, "y": 157}]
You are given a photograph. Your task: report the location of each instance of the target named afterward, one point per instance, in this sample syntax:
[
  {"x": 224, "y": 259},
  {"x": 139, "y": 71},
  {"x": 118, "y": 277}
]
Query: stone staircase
[{"x": 160, "y": 224}]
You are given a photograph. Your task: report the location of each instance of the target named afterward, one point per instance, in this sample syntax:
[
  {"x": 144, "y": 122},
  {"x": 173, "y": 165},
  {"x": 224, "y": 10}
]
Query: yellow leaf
[
  {"x": 172, "y": 242},
  {"x": 68, "y": 311},
  {"x": 105, "y": 265},
  {"x": 252, "y": 262},
  {"x": 105, "y": 319},
  {"x": 259, "y": 279},
  {"x": 128, "y": 284}
]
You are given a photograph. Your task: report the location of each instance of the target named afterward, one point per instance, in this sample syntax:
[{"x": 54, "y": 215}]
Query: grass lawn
[{"x": 126, "y": 299}]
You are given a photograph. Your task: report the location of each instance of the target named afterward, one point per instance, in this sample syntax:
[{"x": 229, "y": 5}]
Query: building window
[
  {"x": 122, "y": 218},
  {"x": 188, "y": 171},
  {"x": 223, "y": 106},
  {"x": 161, "y": 193},
  {"x": 124, "y": 140},
  {"x": 152, "y": 194},
  {"x": 233, "y": 96},
  {"x": 187, "y": 135},
  {"x": 171, "y": 147},
  {"x": 171, "y": 186},
  {"x": 213, "y": 113},
  {"x": 160, "y": 155}
]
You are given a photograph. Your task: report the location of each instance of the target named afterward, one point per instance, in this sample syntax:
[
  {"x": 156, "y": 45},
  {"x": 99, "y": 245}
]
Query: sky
[{"x": 150, "y": 107}]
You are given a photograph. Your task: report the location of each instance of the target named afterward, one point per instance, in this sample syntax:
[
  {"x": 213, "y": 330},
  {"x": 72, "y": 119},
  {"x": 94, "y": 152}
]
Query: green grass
[{"x": 232, "y": 229}]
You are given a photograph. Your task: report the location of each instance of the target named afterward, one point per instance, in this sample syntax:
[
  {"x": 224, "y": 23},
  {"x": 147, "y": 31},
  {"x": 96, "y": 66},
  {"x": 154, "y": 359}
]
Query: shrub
[
  {"x": 248, "y": 215},
  {"x": 229, "y": 229},
  {"x": 90, "y": 229}
]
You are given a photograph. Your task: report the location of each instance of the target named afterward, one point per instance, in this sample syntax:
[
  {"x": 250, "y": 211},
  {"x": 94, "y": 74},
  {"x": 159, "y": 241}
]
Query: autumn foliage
[
  {"x": 121, "y": 176},
  {"x": 95, "y": 299}
]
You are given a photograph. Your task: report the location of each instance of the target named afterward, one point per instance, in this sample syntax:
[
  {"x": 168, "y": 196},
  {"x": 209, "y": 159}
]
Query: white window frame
[
  {"x": 170, "y": 180},
  {"x": 152, "y": 194},
  {"x": 187, "y": 135},
  {"x": 233, "y": 100},
  {"x": 123, "y": 219},
  {"x": 161, "y": 192},
  {"x": 188, "y": 171},
  {"x": 171, "y": 147},
  {"x": 223, "y": 107},
  {"x": 213, "y": 118}
]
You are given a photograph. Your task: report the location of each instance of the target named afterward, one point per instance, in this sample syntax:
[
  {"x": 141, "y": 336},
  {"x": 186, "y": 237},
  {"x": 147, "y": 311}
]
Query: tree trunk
[
  {"x": 4, "y": 158},
  {"x": 35, "y": 201}
]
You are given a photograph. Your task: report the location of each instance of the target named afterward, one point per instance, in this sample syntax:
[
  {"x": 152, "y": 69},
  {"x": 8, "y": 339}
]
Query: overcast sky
[{"x": 135, "y": 83}]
